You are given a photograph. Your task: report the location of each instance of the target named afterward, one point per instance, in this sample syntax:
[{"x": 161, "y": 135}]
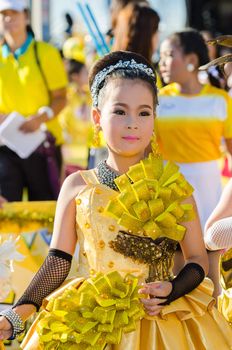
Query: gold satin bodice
[{"x": 96, "y": 230}]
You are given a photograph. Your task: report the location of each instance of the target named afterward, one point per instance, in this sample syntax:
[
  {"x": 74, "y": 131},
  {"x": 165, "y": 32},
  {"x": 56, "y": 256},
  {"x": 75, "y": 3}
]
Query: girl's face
[
  {"x": 126, "y": 116},
  {"x": 173, "y": 63},
  {"x": 13, "y": 22}
]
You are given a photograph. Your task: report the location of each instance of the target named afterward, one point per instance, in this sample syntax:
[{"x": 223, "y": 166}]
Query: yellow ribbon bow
[
  {"x": 92, "y": 316},
  {"x": 149, "y": 202}
]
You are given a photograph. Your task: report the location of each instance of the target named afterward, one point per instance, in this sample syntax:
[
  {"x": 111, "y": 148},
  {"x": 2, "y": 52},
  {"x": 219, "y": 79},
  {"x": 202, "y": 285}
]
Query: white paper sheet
[{"x": 24, "y": 144}]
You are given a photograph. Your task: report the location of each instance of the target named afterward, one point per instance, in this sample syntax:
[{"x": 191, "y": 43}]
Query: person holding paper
[{"x": 33, "y": 83}]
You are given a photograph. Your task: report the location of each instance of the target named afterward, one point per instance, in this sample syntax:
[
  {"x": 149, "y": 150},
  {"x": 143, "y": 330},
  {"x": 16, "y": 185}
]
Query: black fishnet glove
[
  {"x": 50, "y": 276},
  {"x": 187, "y": 280}
]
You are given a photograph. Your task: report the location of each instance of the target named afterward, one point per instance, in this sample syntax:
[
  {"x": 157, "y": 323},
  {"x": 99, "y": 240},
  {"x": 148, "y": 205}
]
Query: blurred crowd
[{"x": 50, "y": 90}]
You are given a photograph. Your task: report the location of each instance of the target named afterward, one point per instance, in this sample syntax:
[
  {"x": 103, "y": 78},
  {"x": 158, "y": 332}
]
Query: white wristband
[
  {"x": 15, "y": 320},
  {"x": 47, "y": 110}
]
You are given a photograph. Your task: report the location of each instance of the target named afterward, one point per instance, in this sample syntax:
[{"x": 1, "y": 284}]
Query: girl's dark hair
[
  {"x": 113, "y": 58},
  {"x": 136, "y": 25},
  {"x": 73, "y": 66},
  {"x": 191, "y": 41}
]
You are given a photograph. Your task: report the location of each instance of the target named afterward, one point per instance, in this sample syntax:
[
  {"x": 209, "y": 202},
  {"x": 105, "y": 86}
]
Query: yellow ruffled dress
[{"x": 189, "y": 323}]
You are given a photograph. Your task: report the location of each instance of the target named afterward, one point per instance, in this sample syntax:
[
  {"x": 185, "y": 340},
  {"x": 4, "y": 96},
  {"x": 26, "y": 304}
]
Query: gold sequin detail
[
  {"x": 98, "y": 191},
  {"x": 101, "y": 244},
  {"x": 100, "y": 209},
  {"x": 122, "y": 181},
  {"x": 87, "y": 225},
  {"x": 112, "y": 228},
  {"x": 111, "y": 264},
  {"x": 78, "y": 201}
]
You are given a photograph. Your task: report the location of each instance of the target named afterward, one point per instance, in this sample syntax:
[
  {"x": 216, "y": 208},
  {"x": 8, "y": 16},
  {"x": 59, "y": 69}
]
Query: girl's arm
[
  {"x": 192, "y": 274},
  {"x": 193, "y": 247},
  {"x": 218, "y": 228},
  {"x": 58, "y": 262}
]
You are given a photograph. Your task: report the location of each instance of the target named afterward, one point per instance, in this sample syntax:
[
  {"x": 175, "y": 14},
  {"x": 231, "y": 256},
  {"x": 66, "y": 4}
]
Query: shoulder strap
[
  {"x": 36, "y": 44},
  {"x": 89, "y": 176}
]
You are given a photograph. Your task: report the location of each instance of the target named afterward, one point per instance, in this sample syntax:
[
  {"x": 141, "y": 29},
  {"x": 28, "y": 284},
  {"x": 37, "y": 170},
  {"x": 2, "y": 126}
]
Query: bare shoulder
[
  {"x": 65, "y": 218},
  {"x": 72, "y": 185}
]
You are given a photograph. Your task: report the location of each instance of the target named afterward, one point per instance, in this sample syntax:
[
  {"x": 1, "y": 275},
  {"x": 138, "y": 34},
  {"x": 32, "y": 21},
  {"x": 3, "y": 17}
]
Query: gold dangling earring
[
  {"x": 96, "y": 136},
  {"x": 154, "y": 144}
]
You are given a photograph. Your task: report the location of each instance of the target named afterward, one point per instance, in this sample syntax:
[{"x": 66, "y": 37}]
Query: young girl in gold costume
[{"x": 128, "y": 215}]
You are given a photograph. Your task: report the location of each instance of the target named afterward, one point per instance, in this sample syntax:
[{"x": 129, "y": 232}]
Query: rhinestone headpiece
[{"x": 128, "y": 65}]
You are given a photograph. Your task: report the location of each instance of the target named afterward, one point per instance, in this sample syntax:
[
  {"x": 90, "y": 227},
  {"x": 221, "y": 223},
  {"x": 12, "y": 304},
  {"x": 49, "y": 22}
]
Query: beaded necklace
[{"x": 106, "y": 175}]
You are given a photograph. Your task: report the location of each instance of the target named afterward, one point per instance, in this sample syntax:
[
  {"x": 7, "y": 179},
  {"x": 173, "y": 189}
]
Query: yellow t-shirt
[
  {"x": 77, "y": 126},
  {"x": 190, "y": 128},
  {"x": 22, "y": 87},
  {"x": 159, "y": 83},
  {"x": 75, "y": 118}
]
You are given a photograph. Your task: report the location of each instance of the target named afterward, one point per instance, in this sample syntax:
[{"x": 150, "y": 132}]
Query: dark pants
[{"x": 32, "y": 173}]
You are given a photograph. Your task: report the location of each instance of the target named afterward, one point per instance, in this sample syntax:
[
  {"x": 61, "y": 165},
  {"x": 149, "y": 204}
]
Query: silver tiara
[{"x": 100, "y": 77}]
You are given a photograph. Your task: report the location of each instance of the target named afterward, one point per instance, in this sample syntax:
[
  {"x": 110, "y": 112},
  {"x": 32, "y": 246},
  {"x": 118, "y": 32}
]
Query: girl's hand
[
  {"x": 155, "y": 290},
  {"x": 5, "y": 328}
]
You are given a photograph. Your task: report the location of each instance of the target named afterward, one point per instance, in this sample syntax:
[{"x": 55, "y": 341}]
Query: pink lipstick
[{"x": 130, "y": 138}]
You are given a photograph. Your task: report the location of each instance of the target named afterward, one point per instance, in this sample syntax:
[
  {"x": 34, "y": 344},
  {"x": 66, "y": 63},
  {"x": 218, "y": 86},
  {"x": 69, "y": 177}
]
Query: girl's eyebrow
[
  {"x": 145, "y": 106},
  {"x": 125, "y": 105}
]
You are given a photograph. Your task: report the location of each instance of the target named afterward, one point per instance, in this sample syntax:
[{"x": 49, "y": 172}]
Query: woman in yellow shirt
[
  {"x": 192, "y": 119},
  {"x": 32, "y": 83}
]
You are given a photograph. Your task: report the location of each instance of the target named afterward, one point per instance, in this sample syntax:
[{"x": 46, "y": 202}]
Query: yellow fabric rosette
[
  {"x": 18, "y": 217},
  {"x": 150, "y": 199},
  {"x": 91, "y": 316}
]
